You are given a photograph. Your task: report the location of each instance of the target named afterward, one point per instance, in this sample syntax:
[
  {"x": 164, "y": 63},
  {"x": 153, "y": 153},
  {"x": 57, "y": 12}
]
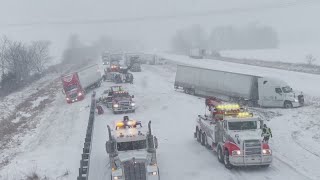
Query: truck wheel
[
  {"x": 220, "y": 155},
  {"x": 115, "y": 112},
  {"x": 287, "y": 105},
  {"x": 226, "y": 160},
  {"x": 199, "y": 136},
  {"x": 203, "y": 139},
  {"x": 192, "y": 92},
  {"x": 133, "y": 111}
]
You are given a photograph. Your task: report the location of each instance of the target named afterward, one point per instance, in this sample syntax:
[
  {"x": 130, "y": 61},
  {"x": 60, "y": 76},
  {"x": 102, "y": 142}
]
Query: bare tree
[
  {"x": 310, "y": 59},
  {"x": 3, "y": 47},
  {"x": 39, "y": 55}
]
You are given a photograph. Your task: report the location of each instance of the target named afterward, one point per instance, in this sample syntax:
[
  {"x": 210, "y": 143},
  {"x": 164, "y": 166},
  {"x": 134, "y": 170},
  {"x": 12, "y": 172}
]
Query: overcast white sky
[{"x": 295, "y": 23}]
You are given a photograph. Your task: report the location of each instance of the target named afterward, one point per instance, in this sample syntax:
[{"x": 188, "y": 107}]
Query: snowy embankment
[
  {"x": 289, "y": 58},
  {"x": 282, "y": 54}
]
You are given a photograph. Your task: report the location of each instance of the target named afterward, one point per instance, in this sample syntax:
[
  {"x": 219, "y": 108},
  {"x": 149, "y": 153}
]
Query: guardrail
[{"x": 85, "y": 156}]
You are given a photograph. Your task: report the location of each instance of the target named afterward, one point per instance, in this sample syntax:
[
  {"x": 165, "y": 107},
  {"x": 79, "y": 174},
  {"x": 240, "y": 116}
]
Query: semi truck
[
  {"x": 235, "y": 135},
  {"x": 245, "y": 89},
  {"x": 132, "y": 152},
  {"x": 133, "y": 61},
  {"x": 77, "y": 83}
]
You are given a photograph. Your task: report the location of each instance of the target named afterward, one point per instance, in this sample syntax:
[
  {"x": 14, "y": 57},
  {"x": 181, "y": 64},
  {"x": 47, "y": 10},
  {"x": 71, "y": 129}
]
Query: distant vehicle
[
  {"x": 242, "y": 88},
  {"x": 105, "y": 58},
  {"x": 113, "y": 67},
  {"x": 197, "y": 53},
  {"x": 132, "y": 152},
  {"x": 76, "y": 84},
  {"x": 133, "y": 62},
  {"x": 235, "y": 135}
]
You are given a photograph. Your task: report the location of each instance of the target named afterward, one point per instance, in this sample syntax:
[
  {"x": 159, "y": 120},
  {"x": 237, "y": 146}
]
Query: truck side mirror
[
  {"x": 156, "y": 142},
  {"x": 109, "y": 147},
  {"x": 132, "y": 96},
  {"x": 63, "y": 91}
]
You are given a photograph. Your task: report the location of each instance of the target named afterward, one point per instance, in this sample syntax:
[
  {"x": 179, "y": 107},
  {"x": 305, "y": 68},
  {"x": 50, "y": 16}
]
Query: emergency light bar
[
  {"x": 130, "y": 123},
  {"x": 244, "y": 114},
  {"x": 120, "y": 92},
  {"x": 228, "y": 107}
]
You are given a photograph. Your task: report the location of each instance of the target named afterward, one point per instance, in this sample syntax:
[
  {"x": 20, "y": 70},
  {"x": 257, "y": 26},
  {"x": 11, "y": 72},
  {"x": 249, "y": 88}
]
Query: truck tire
[
  {"x": 288, "y": 105},
  {"x": 227, "y": 163},
  {"x": 192, "y": 92},
  {"x": 220, "y": 155},
  {"x": 203, "y": 139},
  {"x": 199, "y": 136}
]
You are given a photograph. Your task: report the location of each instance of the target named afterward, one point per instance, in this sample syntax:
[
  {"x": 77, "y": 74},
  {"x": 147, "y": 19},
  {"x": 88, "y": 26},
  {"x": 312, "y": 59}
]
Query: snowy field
[
  {"x": 53, "y": 149},
  {"x": 289, "y": 54}
]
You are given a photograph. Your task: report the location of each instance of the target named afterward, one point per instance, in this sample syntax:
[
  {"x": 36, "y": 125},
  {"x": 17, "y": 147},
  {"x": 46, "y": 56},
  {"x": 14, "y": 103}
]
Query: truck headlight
[
  {"x": 117, "y": 177},
  {"x": 296, "y": 100},
  {"x": 154, "y": 173},
  {"x": 79, "y": 94},
  {"x": 133, "y": 104},
  {"x": 266, "y": 151},
  {"x": 68, "y": 99},
  {"x": 236, "y": 152},
  {"x": 116, "y": 105}
]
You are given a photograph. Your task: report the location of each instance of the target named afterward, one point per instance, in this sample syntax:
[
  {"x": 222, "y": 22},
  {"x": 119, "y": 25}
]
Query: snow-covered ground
[
  {"x": 53, "y": 149},
  {"x": 290, "y": 54}
]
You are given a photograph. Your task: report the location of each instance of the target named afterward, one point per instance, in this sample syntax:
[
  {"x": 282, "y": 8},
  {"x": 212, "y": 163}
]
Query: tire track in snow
[
  {"x": 291, "y": 167},
  {"x": 295, "y": 140}
]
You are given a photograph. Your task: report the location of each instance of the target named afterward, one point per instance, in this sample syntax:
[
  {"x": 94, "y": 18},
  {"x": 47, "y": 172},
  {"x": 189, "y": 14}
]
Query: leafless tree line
[
  {"x": 21, "y": 63},
  {"x": 251, "y": 36}
]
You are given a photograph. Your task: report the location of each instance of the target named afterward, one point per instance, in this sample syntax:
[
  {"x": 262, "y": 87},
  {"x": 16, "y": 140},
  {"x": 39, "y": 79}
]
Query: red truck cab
[{"x": 72, "y": 88}]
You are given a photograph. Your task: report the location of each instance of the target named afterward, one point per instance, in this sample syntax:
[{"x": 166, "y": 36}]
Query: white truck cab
[
  {"x": 132, "y": 153},
  {"x": 277, "y": 93},
  {"x": 236, "y": 137}
]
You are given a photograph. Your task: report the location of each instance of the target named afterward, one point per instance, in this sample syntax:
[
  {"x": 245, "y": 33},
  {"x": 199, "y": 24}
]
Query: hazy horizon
[{"x": 293, "y": 20}]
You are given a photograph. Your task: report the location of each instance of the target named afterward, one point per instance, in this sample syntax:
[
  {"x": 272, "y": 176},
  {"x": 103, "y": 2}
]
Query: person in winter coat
[
  {"x": 100, "y": 109},
  {"x": 266, "y": 133}
]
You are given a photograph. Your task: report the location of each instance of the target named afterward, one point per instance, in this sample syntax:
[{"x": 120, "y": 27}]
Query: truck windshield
[
  {"x": 70, "y": 88},
  {"x": 242, "y": 125},
  {"x": 132, "y": 145},
  {"x": 287, "y": 89}
]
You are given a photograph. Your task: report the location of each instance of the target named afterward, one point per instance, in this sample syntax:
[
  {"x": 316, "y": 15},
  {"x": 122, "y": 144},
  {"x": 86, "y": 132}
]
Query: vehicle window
[
  {"x": 133, "y": 145},
  {"x": 242, "y": 125},
  {"x": 71, "y": 87},
  {"x": 287, "y": 89},
  {"x": 278, "y": 90}
]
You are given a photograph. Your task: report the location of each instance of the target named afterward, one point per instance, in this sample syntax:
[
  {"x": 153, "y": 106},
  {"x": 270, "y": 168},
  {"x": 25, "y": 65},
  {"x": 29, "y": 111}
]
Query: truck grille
[
  {"x": 134, "y": 170},
  {"x": 73, "y": 96},
  {"x": 301, "y": 99},
  {"x": 252, "y": 147},
  {"x": 124, "y": 104}
]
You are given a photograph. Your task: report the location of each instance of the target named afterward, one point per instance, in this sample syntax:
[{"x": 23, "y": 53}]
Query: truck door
[{"x": 278, "y": 97}]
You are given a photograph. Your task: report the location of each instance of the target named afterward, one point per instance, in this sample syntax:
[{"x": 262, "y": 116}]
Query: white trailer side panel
[
  {"x": 224, "y": 83},
  {"x": 89, "y": 75}
]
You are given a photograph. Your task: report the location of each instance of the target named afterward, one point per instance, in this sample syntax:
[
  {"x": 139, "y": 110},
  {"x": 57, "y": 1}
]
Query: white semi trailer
[{"x": 236, "y": 87}]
